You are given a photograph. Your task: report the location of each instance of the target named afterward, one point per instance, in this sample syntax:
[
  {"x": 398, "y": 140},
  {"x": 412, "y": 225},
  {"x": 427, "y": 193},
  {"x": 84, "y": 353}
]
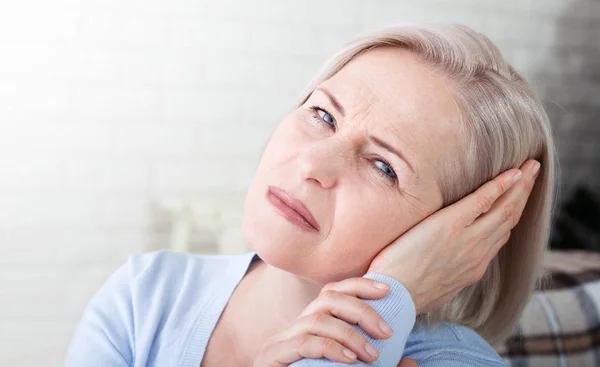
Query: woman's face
[{"x": 361, "y": 155}]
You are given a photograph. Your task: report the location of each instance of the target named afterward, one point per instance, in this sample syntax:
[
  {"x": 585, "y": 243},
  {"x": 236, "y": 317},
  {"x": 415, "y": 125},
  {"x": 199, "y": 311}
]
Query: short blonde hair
[{"x": 504, "y": 125}]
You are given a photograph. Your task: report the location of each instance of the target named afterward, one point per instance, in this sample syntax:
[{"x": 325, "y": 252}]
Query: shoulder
[
  {"x": 167, "y": 279},
  {"x": 153, "y": 283},
  {"x": 146, "y": 264},
  {"x": 150, "y": 295},
  {"x": 167, "y": 266},
  {"x": 452, "y": 343}
]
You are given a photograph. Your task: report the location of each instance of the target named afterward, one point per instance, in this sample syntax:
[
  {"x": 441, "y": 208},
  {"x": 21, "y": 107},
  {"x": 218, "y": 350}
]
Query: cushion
[{"x": 560, "y": 325}]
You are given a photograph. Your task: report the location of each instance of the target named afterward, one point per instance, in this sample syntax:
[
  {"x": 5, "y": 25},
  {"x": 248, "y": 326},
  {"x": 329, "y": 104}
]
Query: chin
[
  {"x": 280, "y": 251},
  {"x": 287, "y": 247},
  {"x": 277, "y": 242},
  {"x": 288, "y": 253}
]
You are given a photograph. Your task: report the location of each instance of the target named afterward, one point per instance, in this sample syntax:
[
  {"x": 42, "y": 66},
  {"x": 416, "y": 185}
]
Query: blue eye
[
  {"x": 385, "y": 168},
  {"x": 326, "y": 117}
]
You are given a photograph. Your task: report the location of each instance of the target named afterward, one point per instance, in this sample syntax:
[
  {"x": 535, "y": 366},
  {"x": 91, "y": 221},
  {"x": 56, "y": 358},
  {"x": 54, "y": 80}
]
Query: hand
[
  {"x": 323, "y": 328},
  {"x": 407, "y": 362},
  {"x": 452, "y": 248}
]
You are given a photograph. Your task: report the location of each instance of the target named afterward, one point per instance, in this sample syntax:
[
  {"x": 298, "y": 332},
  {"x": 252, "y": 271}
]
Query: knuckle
[
  {"x": 507, "y": 212},
  {"x": 302, "y": 340},
  {"x": 484, "y": 203},
  {"x": 365, "y": 309},
  {"x": 328, "y": 344},
  {"x": 330, "y": 294},
  {"x": 499, "y": 187},
  {"x": 351, "y": 333},
  {"x": 316, "y": 318}
]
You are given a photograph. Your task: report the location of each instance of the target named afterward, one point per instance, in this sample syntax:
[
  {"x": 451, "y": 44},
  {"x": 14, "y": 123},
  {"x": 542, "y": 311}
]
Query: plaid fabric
[{"x": 560, "y": 325}]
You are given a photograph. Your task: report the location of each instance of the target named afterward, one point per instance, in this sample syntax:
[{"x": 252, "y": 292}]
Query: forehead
[{"x": 392, "y": 91}]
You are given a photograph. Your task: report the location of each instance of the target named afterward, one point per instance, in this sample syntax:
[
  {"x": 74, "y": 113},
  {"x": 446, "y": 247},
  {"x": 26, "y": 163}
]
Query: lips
[{"x": 292, "y": 209}]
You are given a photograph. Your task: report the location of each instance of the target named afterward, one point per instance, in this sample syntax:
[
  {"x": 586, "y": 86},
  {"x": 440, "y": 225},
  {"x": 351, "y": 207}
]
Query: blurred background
[{"x": 130, "y": 126}]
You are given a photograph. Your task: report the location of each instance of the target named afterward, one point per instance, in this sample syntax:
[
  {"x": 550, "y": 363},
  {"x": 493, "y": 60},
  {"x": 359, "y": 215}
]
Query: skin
[
  {"x": 326, "y": 159},
  {"x": 389, "y": 94}
]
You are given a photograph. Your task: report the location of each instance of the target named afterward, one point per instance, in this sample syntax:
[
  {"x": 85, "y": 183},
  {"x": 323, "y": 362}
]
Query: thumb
[{"x": 407, "y": 362}]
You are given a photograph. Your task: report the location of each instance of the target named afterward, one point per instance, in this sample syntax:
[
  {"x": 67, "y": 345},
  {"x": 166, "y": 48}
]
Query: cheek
[
  {"x": 285, "y": 141},
  {"x": 290, "y": 129},
  {"x": 363, "y": 227}
]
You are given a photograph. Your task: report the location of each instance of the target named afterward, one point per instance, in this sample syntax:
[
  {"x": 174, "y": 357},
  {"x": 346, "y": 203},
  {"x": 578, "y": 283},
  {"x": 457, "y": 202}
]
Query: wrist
[
  {"x": 397, "y": 300},
  {"x": 393, "y": 282},
  {"x": 387, "y": 278}
]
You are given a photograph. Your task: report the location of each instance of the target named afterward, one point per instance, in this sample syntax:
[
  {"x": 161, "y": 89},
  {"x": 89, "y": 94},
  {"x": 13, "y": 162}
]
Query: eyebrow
[
  {"x": 392, "y": 150},
  {"x": 336, "y": 104}
]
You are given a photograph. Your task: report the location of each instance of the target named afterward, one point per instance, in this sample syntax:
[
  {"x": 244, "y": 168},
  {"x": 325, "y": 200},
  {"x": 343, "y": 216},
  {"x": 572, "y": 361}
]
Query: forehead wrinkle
[
  {"x": 386, "y": 105},
  {"x": 393, "y": 103},
  {"x": 398, "y": 122},
  {"x": 354, "y": 90},
  {"x": 361, "y": 111},
  {"x": 371, "y": 115}
]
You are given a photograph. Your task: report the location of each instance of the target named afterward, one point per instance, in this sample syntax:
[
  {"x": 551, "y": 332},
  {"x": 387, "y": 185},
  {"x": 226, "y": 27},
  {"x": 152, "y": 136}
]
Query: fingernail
[
  {"x": 380, "y": 285},
  {"x": 385, "y": 328},
  {"x": 348, "y": 353},
  {"x": 517, "y": 175},
  {"x": 371, "y": 350},
  {"x": 536, "y": 169}
]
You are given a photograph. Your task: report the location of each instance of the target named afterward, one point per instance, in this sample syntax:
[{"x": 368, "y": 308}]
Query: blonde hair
[{"x": 504, "y": 124}]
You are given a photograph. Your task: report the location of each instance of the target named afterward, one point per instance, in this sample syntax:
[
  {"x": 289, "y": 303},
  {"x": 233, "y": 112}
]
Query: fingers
[
  {"x": 407, "y": 362},
  {"x": 481, "y": 201},
  {"x": 305, "y": 346},
  {"x": 533, "y": 169},
  {"x": 359, "y": 287},
  {"x": 351, "y": 310},
  {"x": 329, "y": 327},
  {"x": 510, "y": 206},
  {"x": 499, "y": 233},
  {"x": 358, "y": 312},
  {"x": 497, "y": 240},
  {"x": 495, "y": 248},
  {"x": 324, "y": 330}
]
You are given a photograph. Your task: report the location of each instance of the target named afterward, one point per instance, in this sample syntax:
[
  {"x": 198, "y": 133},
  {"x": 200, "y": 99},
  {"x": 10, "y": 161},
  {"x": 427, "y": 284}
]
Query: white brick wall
[{"x": 108, "y": 106}]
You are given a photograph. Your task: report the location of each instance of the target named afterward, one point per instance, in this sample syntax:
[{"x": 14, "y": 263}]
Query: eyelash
[{"x": 315, "y": 115}]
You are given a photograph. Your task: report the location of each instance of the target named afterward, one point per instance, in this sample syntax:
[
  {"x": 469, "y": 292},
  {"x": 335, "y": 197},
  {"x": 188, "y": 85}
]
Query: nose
[{"x": 321, "y": 163}]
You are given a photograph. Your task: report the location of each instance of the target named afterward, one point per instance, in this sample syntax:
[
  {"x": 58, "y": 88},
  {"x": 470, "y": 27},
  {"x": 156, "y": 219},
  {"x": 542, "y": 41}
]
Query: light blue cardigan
[{"x": 159, "y": 310}]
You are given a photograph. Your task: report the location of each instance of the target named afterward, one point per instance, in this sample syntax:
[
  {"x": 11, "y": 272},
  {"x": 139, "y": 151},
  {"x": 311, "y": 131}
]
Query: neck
[{"x": 268, "y": 300}]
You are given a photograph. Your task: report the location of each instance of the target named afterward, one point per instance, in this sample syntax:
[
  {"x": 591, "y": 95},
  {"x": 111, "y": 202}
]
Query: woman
[{"x": 400, "y": 124}]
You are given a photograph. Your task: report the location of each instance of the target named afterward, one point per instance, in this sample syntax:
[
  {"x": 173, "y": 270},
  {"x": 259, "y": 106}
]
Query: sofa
[{"x": 560, "y": 325}]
